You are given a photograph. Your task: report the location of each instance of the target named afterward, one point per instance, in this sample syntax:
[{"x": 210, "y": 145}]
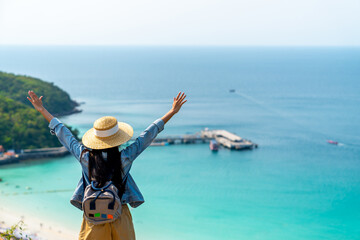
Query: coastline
[
  {"x": 39, "y": 153},
  {"x": 73, "y": 111},
  {"x": 35, "y": 228}
]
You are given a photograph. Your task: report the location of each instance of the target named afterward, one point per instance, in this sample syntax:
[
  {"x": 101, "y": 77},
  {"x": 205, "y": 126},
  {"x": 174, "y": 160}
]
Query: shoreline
[
  {"x": 73, "y": 111},
  {"x": 39, "y": 153},
  {"x": 29, "y": 154},
  {"x": 35, "y": 228}
]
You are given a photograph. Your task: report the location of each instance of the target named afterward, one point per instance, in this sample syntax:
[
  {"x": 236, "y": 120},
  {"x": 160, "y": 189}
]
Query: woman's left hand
[
  {"x": 36, "y": 101},
  {"x": 178, "y": 102}
]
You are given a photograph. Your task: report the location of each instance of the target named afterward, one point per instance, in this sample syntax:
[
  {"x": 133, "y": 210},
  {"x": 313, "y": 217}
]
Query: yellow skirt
[{"x": 121, "y": 229}]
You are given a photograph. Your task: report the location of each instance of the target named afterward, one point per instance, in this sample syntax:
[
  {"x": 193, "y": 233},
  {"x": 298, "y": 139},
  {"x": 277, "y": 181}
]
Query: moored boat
[{"x": 214, "y": 146}]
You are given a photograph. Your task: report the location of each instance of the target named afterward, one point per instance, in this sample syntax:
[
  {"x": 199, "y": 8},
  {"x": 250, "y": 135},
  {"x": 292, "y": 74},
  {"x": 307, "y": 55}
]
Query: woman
[{"x": 101, "y": 161}]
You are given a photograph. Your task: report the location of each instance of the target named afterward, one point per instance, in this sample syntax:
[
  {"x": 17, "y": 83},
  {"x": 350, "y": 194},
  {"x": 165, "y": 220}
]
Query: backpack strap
[
  {"x": 83, "y": 175},
  {"x": 122, "y": 184},
  {"x": 111, "y": 204},
  {"x": 102, "y": 190}
]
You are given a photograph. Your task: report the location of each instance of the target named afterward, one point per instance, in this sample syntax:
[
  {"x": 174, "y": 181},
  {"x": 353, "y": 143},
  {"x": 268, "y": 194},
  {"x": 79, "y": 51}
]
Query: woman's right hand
[
  {"x": 35, "y": 101},
  {"x": 178, "y": 102}
]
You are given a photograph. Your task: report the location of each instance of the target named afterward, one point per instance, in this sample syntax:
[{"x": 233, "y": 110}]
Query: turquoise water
[{"x": 288, "y": 100}]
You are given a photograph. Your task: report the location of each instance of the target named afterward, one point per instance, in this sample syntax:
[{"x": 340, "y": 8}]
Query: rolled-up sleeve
[
  {"x": 130, "y": 153},
  {"x": 65, "y": 137}
]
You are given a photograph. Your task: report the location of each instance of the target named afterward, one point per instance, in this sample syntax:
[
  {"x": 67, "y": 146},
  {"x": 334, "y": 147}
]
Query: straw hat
[{"x": 107, "y": 133}]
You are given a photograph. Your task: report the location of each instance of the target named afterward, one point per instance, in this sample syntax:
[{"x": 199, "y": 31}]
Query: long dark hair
[{"x": 105, "y": 165}]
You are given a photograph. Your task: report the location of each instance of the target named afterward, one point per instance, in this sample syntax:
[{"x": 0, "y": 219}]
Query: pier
[
  {"x": 34, "y": 154},
  {"x": 228, "y": 139},
  {"x": 223, "y": 137}
]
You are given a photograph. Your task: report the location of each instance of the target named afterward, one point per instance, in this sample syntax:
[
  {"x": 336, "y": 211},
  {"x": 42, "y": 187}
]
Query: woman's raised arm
[
  {"x": 131, "y": 152},
  {"x": 38, "y": 105},
  {"x": 57, "y": 128}
]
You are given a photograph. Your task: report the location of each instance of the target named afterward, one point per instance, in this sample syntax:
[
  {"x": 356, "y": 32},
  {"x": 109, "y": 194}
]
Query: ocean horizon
[{"x": 288, "y": 100}]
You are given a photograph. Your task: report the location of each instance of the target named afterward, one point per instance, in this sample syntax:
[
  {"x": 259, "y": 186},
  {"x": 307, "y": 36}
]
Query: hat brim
[{"x": 90, "y": 140}]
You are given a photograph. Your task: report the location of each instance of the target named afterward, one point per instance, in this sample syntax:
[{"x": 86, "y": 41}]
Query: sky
[{"x": 180, "y": 22}]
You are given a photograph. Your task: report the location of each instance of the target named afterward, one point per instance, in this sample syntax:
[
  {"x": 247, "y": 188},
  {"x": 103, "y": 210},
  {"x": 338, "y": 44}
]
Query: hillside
[
  {"x": 55, "y": 99},
  {"x": 21, "y": 126}
]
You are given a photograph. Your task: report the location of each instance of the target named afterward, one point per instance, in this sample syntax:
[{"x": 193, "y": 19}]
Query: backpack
[{"x": 101, "y": 205}]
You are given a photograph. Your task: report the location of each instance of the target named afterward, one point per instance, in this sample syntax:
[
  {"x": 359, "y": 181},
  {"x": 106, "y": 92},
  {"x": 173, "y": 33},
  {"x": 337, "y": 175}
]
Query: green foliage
[
  {"x": 9, "y": 233},
  {"x": 21, "y": 126},
  {"x": 55, "y": 99}
]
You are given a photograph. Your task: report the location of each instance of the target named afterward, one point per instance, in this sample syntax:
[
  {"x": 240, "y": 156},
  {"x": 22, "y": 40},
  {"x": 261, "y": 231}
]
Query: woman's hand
[
  {"x": 35, "y": 101},
  {"x": 178, "y": 102},
  {"x": 38, "y": 105}
]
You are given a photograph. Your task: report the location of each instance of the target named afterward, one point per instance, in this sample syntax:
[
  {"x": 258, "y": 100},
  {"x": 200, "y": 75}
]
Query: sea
[{"x": 288, "y": 100}]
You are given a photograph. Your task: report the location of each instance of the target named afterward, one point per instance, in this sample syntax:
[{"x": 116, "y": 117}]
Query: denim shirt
[{"x": 132, "y": 194}]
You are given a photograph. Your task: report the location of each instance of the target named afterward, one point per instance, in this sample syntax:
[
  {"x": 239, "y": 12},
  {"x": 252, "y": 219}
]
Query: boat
[
  {"x": 232, "y": 90},
  {"x": 332, "y": 142},
  {"x": 214, "y": 146}
]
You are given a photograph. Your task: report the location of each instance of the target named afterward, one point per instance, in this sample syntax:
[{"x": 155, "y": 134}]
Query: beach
[{"x": 35, "y": 228}]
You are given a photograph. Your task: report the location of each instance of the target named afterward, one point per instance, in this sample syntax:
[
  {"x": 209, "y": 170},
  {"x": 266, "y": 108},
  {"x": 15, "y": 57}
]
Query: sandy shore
[{"x": 36, "y": 228}]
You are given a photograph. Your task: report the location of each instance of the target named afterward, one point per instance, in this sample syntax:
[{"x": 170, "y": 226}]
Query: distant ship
[
  {"x": 214, "y": 146},
  {"x": 232, "y": 90},
  {"x": 332, "y": 142}
]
